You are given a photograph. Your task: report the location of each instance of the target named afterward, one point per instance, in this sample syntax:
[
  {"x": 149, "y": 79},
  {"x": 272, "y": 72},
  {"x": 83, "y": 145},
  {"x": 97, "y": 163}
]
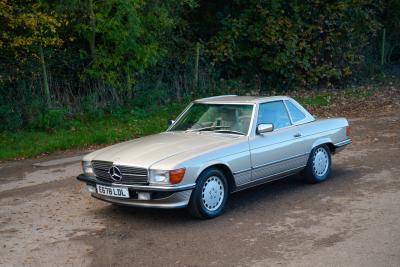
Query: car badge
[{"x": 115, "y": 173}]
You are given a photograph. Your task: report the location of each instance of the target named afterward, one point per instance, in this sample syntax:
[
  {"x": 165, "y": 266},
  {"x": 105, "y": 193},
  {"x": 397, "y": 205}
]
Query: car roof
[{"x": 234, "y": 99}]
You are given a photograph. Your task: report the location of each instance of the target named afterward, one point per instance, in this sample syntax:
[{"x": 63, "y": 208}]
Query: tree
[
  {"x": 295, "y": 43},
  {"x": 126, "y": 37},
  {"x": 26, "y": 29}
]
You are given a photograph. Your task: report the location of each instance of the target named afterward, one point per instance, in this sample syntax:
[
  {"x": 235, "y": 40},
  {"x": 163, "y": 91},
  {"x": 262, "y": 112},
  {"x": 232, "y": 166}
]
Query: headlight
[
  {"x": 167, "y": 177},
  {"x": 87, "y": 168},
  {"x": 159, "y": 177}
]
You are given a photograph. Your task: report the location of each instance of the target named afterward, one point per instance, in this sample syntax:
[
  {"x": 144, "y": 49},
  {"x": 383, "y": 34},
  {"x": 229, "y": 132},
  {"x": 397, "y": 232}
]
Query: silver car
[{"x": 217, "y": 146}]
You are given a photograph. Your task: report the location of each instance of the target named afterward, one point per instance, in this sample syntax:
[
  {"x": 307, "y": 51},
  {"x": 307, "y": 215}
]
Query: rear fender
[{"x": 325, "y": 140}]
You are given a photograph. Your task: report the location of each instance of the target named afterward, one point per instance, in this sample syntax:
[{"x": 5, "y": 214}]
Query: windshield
[{"x": 223, "y": 118}]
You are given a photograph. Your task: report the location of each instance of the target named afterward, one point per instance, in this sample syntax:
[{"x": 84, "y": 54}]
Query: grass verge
[
  {"x": 107, "y": 129},
  {"x": 125, "y": 125}
]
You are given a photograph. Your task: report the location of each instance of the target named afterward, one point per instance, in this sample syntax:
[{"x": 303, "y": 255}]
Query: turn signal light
[
  {"x": 176, "y": 176},
  {"x": 348, "y": 130}
]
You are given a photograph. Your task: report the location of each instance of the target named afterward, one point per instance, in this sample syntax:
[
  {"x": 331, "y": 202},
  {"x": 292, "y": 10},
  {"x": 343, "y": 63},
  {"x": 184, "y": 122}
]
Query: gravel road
[{"x": 48, "y": 219}]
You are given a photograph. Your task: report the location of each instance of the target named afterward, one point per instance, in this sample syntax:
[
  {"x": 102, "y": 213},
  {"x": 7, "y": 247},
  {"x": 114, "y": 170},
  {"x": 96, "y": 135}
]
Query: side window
[
  {"x": 275, "y": 113},
  {"x": 296, "y": 113}
]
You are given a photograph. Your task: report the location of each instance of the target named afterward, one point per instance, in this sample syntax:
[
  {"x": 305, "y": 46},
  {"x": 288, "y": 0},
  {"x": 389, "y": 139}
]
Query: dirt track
[{"x": 48, "y": 219}]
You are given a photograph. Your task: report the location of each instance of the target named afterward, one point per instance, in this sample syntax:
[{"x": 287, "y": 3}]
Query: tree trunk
[
  {"x": 92, "y": 38},
  {"x": 129, "y": 84},
  {"x": 44, "y": 76},
  {"x": 196, "y": 67},
  {"x": 178, "y": 90},
  {"x": 383, "y": 47}
]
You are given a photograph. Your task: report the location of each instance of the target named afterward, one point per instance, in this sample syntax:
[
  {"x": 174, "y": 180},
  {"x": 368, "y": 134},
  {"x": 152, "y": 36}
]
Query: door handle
[{"x": 297, "y": 135}]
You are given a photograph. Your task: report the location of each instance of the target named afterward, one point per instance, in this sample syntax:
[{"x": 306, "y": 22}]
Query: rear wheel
[
  {"x": 318, "y": 167},
  {"x": 209, "y": 198}
]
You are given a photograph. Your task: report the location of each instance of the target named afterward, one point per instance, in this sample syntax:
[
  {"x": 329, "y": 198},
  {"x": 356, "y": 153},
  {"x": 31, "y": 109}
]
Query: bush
[
  {"x": 53, "y": 118},
  {"x": 11, "y": 118},
  {"x": 90, "y": 106},
  {"x": 20, "y": 105}
]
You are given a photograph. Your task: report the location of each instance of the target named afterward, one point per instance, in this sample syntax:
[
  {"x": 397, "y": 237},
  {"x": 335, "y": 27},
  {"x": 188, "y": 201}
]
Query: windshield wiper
[
  {"x": 229, "y": 131},
  {"x": 209, "y": 128}
]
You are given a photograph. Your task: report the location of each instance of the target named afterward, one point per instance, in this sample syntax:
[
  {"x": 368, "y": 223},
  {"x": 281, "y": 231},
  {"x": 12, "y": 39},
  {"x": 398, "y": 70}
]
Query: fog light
[
  {"x": 144, "y": 196},
  {"x": 91, "y": 189}
]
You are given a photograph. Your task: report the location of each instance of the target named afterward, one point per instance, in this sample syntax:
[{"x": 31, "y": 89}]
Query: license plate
[{"x": 112, "y": 191}]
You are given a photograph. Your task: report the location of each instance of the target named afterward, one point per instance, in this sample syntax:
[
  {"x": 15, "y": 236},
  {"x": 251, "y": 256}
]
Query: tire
[
  {"x": 209, "y": 198},
  {"x": 319, "y": 165}
]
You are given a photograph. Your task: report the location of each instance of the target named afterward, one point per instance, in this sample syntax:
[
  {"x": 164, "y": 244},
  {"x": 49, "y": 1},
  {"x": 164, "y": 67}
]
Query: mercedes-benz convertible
[{"x": 217, "y": 146}]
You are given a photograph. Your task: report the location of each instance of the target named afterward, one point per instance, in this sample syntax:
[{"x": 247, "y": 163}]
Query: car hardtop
[
  {"x": 234, "y": 99},
  {"x": 257, "y": 100}
]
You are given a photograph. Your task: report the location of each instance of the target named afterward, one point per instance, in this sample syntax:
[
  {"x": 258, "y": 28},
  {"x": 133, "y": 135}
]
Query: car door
[{"x": 280, "y": 151}]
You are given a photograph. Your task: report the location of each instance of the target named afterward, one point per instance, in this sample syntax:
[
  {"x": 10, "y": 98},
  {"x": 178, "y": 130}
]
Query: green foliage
[
  {"x": 79, "y": 132},
  {"x": 325, "y": 98},
  {"x": 25, "y": 26},
  {"x": 19, "y": 107},
  {"x": 11, "y": 119},
  {"x": 64, "y": 64},
  {"x": 391, "y": 23},
  {"x": 299, "y": 43},
  {"x": 76, "y": 132},
  {"x": 318, "y": 100},
  {"x": 125, "y": 38},
  {"x": 53, "y": 118},
  {"x": 90, "y": 107}
]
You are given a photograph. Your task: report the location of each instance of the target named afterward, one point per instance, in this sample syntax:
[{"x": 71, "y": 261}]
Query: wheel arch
[
  {"x": 325, "y": 141},
  {"x": 225, "y": 169}
]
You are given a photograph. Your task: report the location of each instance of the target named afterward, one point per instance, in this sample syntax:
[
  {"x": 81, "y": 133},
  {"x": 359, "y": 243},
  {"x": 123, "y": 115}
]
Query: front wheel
[
  {"x": 318, "y": 167},
  {"x": 209, "y": 198}
]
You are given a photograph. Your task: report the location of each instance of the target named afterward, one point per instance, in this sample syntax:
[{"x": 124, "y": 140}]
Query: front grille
[{"x": 130, "y": 175}]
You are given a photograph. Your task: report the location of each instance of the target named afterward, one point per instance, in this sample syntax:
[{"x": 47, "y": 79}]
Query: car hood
[{"x": 146, "y": 151}]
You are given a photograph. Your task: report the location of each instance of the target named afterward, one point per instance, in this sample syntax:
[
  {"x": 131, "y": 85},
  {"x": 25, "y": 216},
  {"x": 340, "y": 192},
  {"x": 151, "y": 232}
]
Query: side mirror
[
  {"x": 170, "y": 122},
  {"x": 264, "y": 128}
]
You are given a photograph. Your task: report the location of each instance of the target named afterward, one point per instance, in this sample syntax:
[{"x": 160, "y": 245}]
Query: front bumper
[{"x": 161, "y": 196}]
